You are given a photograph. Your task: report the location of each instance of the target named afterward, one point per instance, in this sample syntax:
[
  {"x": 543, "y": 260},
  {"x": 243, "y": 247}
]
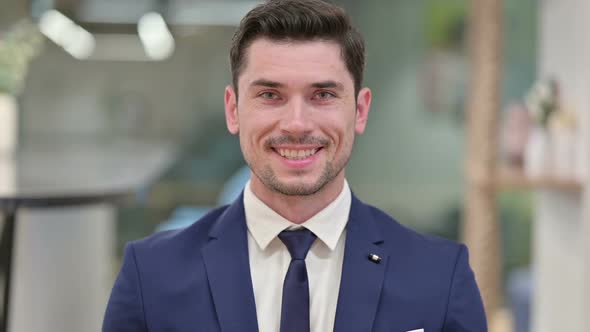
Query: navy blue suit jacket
[{"x": 198, "y": 279}]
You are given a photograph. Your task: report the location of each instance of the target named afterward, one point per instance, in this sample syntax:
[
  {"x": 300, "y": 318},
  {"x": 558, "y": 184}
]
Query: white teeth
[{"x": 296, "y": 154}]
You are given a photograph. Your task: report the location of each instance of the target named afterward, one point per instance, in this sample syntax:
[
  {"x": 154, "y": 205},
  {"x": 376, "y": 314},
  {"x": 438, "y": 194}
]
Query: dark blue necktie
[{"x": 295, "y": 307}]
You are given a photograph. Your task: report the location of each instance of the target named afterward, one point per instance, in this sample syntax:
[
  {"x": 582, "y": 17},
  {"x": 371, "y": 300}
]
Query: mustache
[{"x": 302, "y": 140}]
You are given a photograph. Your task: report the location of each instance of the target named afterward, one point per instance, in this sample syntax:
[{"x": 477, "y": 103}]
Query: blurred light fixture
[
  {"x": 155, "y": 36},
  {"x": 78, "y": 42}
]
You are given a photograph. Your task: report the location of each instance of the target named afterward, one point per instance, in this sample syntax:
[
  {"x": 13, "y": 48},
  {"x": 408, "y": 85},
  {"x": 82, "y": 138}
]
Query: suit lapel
[
  {"x": 362, "y": 278},
  {"x": 228, "y": 271}
]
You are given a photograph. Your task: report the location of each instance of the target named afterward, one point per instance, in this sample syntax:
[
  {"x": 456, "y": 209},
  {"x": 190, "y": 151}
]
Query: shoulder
[
  {"x": 430, "y": 270},
  {"x": 392, "y": 228},
  {"x": 405, "y": 242}
]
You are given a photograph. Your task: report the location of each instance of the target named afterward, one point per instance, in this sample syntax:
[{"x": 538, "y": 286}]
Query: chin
[{"x": 296, "y": 189}]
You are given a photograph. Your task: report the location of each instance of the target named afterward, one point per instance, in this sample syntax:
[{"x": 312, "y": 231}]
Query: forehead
[{"x": 294, "y": 60}]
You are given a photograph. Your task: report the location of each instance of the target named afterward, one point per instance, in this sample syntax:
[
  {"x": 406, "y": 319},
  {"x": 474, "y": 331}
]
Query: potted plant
[
  {"x": 542, "y": 102},
  {"x": 18, "y": 47}
]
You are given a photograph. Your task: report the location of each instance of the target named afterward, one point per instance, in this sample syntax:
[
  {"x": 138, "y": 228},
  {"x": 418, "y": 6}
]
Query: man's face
[{"x": 296, "y": 114}]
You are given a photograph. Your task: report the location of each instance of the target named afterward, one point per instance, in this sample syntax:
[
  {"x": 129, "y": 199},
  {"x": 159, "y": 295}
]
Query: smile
[{"x": 292, "y": 154}]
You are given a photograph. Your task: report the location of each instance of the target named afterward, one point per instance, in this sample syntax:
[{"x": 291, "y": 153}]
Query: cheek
[
  {"x": 254, "y": 130},
  {"x": 346, "y": 137},
  {"x": 340, "y": 130}
]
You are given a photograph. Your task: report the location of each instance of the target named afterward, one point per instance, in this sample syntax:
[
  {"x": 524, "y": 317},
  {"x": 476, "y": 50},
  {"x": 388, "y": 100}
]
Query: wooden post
[{"x": 480, "y": 225}]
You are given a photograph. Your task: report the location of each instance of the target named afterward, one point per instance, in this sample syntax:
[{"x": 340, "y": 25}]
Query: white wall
[{"x": 562, "y": 223}]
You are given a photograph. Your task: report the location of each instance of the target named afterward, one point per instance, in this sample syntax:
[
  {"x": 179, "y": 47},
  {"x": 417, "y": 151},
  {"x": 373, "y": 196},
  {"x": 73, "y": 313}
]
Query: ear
[
  {"x": 363, "y": 103},
  {"x": 231, "y": 110}
]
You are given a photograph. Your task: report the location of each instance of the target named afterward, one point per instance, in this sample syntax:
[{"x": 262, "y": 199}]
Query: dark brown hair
[{"x": 299, "y": 20}]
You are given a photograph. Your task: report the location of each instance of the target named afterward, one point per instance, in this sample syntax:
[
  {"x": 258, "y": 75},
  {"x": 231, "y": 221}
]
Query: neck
[{"x": 298, "y": 209}]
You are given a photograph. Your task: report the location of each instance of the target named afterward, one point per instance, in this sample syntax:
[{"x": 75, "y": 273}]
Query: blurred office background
[{"x": 105, "y": 84}]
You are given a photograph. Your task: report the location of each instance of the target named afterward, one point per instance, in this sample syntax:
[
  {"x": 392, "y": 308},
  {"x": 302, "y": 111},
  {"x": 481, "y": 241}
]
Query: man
[{"x": 296, "y": 251}]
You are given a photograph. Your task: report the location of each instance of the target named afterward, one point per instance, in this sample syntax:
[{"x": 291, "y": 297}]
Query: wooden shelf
[{"x": 512, "y": 178}]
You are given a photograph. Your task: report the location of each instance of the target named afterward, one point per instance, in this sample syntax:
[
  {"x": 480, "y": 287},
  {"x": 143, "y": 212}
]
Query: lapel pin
[{"x": 374, "y": 258}]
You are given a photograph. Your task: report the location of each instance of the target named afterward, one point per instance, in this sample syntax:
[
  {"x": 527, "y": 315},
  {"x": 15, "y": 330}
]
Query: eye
[
  {"x": 268, "y": 95},
  {"x": 324, "y": 95}
]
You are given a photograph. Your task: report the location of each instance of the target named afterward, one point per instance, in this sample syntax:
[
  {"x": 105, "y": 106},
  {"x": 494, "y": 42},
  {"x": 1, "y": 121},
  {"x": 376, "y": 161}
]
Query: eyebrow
[
  {"x": 318, "y": 85},
  {"x": 328, "y": 84},
  {"x": 267, "y": 83}
]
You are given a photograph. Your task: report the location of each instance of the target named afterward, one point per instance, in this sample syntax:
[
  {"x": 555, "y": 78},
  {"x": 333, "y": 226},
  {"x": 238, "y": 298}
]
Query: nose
[{"x": 296, "y": 119}]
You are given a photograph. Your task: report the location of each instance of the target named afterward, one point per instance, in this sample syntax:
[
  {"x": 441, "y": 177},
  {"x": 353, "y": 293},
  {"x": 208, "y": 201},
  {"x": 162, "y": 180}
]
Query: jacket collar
[{"x": 228, "y": 270}]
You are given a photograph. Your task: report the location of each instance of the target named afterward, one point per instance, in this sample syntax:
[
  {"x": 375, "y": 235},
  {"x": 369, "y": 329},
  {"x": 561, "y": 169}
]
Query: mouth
[{"x": 296, "y": 153}]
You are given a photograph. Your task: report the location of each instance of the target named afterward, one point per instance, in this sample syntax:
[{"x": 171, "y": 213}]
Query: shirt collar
[{"x": 264, "y": 224}]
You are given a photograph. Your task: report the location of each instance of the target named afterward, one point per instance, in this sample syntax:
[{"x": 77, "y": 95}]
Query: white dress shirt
[{"x": 270, "y": 259}]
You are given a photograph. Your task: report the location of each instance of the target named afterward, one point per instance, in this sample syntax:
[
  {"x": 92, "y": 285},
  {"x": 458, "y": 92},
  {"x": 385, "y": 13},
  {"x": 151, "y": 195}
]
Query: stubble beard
[{"x": 268, "y": 177}]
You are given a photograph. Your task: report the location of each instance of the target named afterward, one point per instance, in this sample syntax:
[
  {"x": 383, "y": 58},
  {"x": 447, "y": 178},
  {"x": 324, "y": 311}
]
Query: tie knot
[{"x": 298, "y": 242}]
